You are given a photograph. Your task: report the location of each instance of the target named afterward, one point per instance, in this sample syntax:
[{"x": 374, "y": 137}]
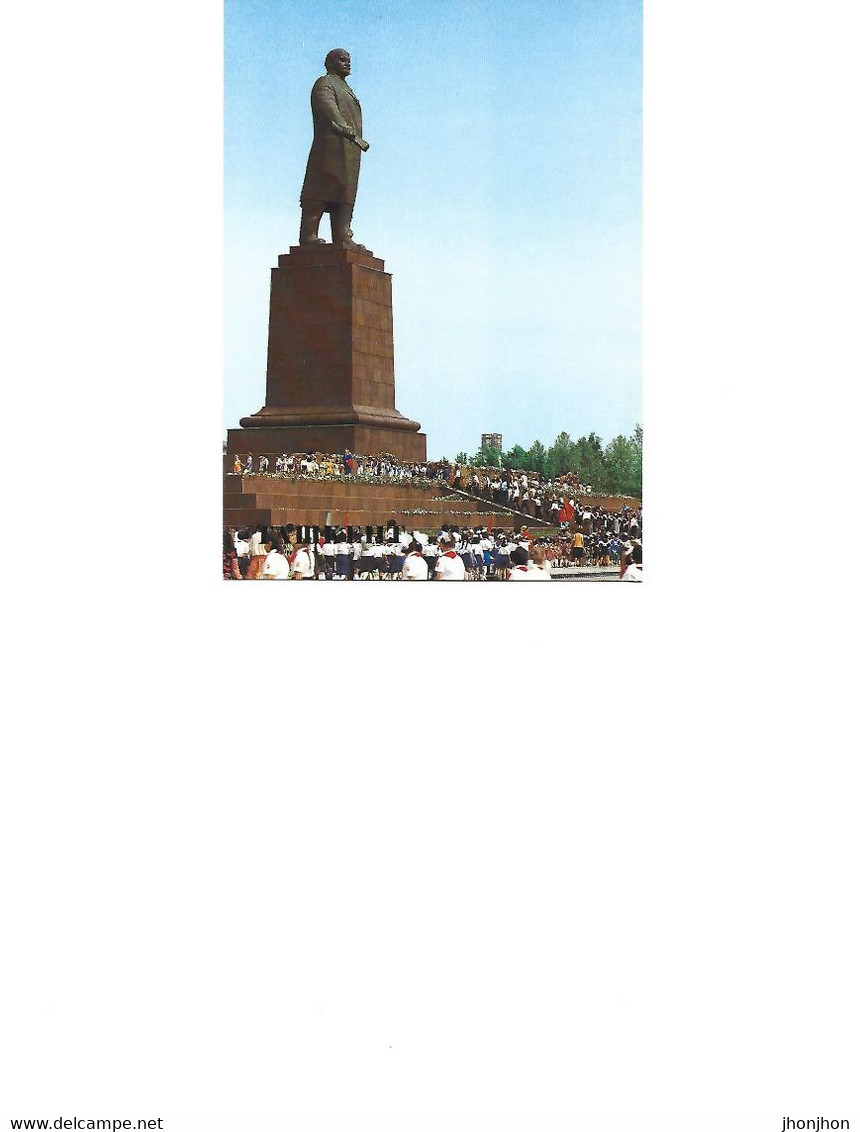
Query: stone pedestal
[{"x": 330, "y": 371}]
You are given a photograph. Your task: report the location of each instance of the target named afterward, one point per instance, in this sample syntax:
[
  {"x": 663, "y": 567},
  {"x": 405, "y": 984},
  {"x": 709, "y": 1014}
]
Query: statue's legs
[
  {"x": 341, "y": 232},
  {"x": 309, "y": 230}
]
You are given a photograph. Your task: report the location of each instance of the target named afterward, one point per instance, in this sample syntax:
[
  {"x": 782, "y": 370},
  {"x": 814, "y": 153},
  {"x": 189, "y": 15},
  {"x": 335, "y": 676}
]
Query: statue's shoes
[
  {"x": 352, "y": 246},
  {"x": 311, "y": 243}
]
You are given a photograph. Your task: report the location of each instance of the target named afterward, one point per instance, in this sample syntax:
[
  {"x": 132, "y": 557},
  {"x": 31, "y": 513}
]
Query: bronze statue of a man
[{"x": 331, "y": 179}]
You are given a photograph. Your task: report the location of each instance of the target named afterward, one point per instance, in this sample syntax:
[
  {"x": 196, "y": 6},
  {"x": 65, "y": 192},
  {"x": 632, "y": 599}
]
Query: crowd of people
[
  {"x": 530, "y": 493},
  {"x": 302, "y": 553},
  {"x": 562, "y": 501},
  {"x": 329, "y": 465}
]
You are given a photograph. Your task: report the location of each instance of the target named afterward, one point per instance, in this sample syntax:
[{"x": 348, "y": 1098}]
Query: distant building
[{"x": 491, "y": 440}]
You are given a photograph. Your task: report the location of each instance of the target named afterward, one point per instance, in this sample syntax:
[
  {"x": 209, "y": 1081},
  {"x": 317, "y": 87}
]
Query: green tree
[
  {"x": 637, "y": 460},
  {"x": 461, "y": 458},
  {"x": 560, "y": 457},
  {"x": 622, "y": 461},
  {"x": 619, "y": 470},
  {"x": 536, "y": 458},
  {"x": 617, "y": 467},
  {"x": 515, "y": 458},
  {"x": 588, "y": 460}
]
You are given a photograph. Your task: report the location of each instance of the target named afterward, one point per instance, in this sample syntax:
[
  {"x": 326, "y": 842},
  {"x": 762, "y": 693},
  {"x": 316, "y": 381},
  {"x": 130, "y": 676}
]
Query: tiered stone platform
[{"x": 250, "y": 499}]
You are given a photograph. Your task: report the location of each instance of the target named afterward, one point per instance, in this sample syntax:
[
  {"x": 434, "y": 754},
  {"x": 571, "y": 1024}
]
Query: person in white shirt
[
  {"x": 373, "y": 553},
  {"x": 431, "y": 554},
  {"x": 328, "y": 553},
  {"x": 449, "y": 565},
  {"x": 302, "y": 566},
  {"x": 524, "y": 569},
  {"x": 414, "y": 565},
  {"x": 519, "y": 564},
  {"x": 477, "y": 553},
  {"x": 276, "y": 567},
  {"x": 366, "y": 561},
  {"x": 242, "y": 543},
  {"x": 343, "y": 557},
  {"x": 257, "y": 554},
  {"x": 504, "y": 549},
  {"x": 539, "y": 567}
]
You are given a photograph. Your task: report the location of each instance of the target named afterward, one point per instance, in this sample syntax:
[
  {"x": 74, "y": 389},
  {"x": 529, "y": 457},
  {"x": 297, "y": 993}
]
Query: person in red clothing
[
  {"x": 258, "y": 554},
  {"x": 231, "y": 559},
  {"x": 566, "y": 513}
]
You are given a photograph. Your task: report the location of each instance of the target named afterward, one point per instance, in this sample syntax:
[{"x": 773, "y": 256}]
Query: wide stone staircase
[{"x": 276, "y": 500}]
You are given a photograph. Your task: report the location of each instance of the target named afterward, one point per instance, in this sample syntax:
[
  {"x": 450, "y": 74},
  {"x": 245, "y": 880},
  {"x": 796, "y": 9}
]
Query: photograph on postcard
[{"x": 457, "y": 186}]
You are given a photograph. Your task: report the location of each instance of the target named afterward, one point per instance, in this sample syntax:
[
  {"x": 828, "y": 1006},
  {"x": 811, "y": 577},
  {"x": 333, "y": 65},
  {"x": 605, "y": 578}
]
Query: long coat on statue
[{"x": 333, "y": 164}]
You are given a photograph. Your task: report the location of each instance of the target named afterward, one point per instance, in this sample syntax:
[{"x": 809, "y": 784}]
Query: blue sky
[{"x": 502, "y": 189}]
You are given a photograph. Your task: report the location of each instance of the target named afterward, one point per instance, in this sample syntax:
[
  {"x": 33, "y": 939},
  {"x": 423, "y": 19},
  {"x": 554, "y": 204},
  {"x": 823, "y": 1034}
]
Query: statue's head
[{"x": 338, "y": 61}]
